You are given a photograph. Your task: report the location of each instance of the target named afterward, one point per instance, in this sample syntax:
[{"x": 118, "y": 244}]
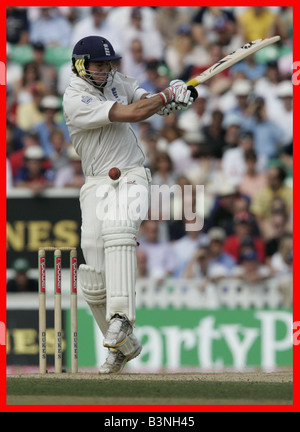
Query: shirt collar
[{"x": 83, "y": 85}]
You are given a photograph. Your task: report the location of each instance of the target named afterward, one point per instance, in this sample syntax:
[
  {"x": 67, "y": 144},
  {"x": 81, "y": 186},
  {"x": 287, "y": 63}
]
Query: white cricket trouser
[{"x": 102, "y": 197}]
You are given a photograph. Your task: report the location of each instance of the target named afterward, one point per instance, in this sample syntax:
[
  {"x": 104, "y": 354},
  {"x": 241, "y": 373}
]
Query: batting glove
[
  {"x": 177, "y": 92},
  {"x": 174, "y": 107}
]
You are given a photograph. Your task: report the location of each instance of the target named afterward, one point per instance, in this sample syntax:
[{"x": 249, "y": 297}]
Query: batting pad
[
  {"x": 94, "y": 293},
  {"x": 119, "y": 238}
]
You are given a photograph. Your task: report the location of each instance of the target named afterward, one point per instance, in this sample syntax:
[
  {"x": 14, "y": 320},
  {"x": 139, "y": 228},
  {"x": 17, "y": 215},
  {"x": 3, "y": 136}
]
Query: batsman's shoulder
[{"x": 125, "y": 79}]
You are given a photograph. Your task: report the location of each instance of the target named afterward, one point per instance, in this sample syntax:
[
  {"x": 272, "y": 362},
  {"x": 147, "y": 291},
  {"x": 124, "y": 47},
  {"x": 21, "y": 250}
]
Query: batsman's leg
[
  {"x": 120, "y": 264},
  {"x": 93, "y": 289},
  {"x": 119, "y": 233}
]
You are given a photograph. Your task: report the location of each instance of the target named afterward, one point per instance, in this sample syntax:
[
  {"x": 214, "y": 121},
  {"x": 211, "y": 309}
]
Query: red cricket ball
[{"x": 114, "y": 173}]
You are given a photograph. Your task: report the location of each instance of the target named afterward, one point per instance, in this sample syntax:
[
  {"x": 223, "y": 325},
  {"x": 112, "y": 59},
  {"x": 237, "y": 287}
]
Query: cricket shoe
[
  {"x": 118, "y": 330},
  {"x": 116, "y": 360}
]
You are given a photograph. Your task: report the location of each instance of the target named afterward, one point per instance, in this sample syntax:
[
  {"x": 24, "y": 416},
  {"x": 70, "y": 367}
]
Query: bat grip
[{"x": 194, "y": 93}]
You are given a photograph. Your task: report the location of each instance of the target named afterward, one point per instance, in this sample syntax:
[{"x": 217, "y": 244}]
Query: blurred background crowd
[{"x": 236, "y": 140}]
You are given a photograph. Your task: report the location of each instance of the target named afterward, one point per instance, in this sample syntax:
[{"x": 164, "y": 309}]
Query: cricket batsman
[{"x": 99, "y": 105}]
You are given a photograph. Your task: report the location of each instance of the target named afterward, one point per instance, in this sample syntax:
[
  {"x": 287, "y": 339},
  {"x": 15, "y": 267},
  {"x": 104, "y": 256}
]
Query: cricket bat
[{"x": 231, "y": 59}]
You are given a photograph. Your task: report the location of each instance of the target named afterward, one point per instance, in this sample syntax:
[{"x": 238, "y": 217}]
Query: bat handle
[{"x": 194, "y": 93}]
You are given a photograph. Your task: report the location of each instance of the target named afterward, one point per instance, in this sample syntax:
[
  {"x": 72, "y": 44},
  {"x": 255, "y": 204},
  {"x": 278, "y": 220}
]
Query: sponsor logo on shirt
[
  {"x": 114, "y": 92},
  {"x": 86, "y": 99}
]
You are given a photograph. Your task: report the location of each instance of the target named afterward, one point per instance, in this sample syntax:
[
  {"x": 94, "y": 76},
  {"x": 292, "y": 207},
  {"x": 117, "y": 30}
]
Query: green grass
[{"x": 148, "y": 391}]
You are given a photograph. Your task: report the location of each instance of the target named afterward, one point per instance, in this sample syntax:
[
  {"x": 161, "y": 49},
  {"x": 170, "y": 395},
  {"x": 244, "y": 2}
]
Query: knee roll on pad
[
  {"x": 119, "y": 238},
  {"x": 92, "y": 285},
  {"x": 94, "y": 293}
]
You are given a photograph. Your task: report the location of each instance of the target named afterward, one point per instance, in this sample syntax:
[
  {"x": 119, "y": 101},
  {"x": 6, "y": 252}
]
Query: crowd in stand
[{"x": 236, "y": 140}]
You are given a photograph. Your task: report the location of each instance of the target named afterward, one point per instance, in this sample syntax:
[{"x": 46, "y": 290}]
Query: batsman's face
[{"x": 98, "y": 71}]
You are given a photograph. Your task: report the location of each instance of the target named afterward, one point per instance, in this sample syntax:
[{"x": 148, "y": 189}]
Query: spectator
[
  {"x": 214, "y": 133},
  {"x": 95, "y": 23},
  {"x": 232, "y": 125},
  {"x": 177, "y": 148},
  {"x": 164, "y": 178},
  {"x": 163, "y": 170},
  {"x": 63, "y": 78},
  {"x": 202, "y": 268},
  {"x": 241, "y": 89},
  {"x": 176, "y": 224},
  {"x": 183, "y": 54},
  {"x": 17, "y": 25},
  {"x": 281, "y": 111},
  {"x": 282, "y": 261},
  {"x": 50, "y": 107},
  {"x": 50, "y": 28},
  {"x": 215, "y": 52},
  {"x": 70, "y": 175},
  {"x": 151, "y": 83},
  {"x": 31, "y": 81},
  {"x": 149, "y": 142},
  {"x": 198, "y": 267},
  {"x": 227, "y": 34},
  {"x": 206, "y": 20},
  {"x": 222, "y": 211},
  {"x": 14, "y": 71},
  {"x": 32, "y": 174},
  {"x": 153, "y": 44},
  {"x": 261, "y": 205},
  {"x": 59, "y": 157},
  {"x": 134, "y": 63},
  {"x": 283, "y": 25},
  {"x": 252, "y": 180},
  {"x": 121, "y": 16},
  {"x": 265, "y": 131},
  {"x": 186, "y": 246},
  {"x": 160, "y": 256},
  {"x": 28, "y": 113},
  {"x": 168, "y": 20},
  {"x": 195, "y": 140},
  {"x": 248, "y": 69},
  {"x": 199, "y": 114},
  {"x": 278, "y": 205},
  {"x": 243, "y": 235},
  {"x": 233, "y": 160},
  {"x": 16, "y": 158},
  {"x": 250, "y": 269},
  {"x": 266, "y": 87},
  {"x": 276, "y": 228},
  {"x": 21, "y": 281},
  {"x": 47, "y": 71},
  {"x": 202, "y": 164},
  {"x": 256, "y": 23},
  {"x": 141, "y": 261},
  {"x": 14, "y": 137},
  {"x": 241, "y": 205},
  {"x": 216, "y": 238}
]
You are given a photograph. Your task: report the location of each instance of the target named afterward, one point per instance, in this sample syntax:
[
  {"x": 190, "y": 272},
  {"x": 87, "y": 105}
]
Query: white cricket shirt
[{"x": 100, "y": 143}]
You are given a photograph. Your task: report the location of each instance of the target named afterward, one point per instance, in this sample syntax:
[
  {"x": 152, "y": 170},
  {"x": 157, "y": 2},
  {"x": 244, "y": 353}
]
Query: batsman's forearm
[{"x": 136, "y": 112}]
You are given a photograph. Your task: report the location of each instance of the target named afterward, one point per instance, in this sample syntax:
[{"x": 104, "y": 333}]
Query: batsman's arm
[
  {"x": 146, "y": 107},
  {"x": 135, "y": 112}
]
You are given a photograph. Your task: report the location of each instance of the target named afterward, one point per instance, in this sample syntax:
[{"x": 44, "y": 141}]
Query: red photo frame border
[{"x": 143, "y": 408}]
